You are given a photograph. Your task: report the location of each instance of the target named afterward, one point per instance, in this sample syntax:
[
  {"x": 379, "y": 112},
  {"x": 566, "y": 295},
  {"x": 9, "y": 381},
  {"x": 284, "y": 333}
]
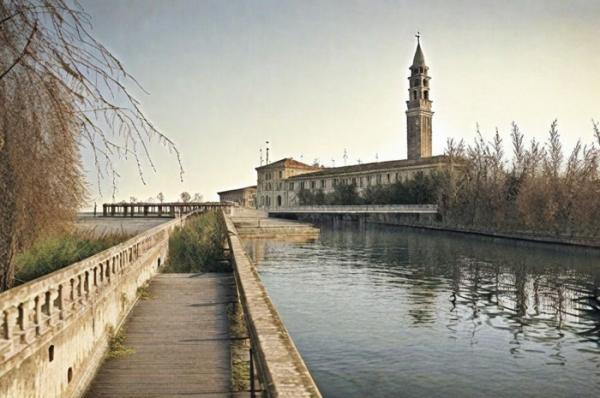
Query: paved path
[
  {"x": 129, "y": 225},
  {"x": 181, "y": 342}
]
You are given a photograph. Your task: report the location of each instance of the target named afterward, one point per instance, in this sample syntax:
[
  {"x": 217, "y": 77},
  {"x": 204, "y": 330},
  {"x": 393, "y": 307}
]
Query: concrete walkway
[{"x": 181, "y": 342}]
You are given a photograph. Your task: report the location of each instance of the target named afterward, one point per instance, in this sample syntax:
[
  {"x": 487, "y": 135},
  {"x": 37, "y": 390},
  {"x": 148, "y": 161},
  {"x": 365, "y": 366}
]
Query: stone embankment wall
[
  {"x": 436, "y": 222},
  {"x": 280, "y": 367},
  {"x": 54, "y": 331}
]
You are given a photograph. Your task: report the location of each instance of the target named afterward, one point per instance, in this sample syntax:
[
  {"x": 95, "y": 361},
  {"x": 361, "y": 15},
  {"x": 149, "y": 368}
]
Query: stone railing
[
  {"x": 55, "y": 330},
  {"x": 336, "y": 209},
  {"x": 280, "y": 367}
]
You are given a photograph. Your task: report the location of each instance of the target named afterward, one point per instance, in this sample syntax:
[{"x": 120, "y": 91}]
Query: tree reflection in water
[{"x": 544, "y": 299}]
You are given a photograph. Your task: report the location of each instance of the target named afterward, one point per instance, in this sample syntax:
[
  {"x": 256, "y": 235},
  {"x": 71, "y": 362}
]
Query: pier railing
[
  {"x": 349, "y": 209},
  {"x": 55, "y": 329},
  {"x": 279, "y": 366},
  {"x": 175, "y": 209}
]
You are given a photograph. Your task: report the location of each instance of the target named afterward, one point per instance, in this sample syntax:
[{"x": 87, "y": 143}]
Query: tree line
[{"x": 533, "y": 187}]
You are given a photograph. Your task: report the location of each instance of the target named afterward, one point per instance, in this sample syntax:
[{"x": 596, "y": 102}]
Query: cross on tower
[{"x": 418, "y": 36}]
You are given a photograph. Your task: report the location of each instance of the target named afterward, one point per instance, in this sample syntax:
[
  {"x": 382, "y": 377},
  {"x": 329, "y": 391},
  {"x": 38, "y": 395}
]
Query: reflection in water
[{"x": 383, "y": 311}]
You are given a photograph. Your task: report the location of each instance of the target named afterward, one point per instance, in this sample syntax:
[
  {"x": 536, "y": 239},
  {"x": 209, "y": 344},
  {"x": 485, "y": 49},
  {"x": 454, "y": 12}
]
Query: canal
[{"x": 382, "y": 311}]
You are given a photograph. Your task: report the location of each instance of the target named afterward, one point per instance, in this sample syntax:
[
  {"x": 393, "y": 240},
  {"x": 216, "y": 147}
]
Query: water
[{"x": 391, "y": 312}]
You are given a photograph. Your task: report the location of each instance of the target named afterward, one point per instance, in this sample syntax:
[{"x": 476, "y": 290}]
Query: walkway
[
  {"x": 252, "y": 223},
  {"x": 181, "y": 342}
]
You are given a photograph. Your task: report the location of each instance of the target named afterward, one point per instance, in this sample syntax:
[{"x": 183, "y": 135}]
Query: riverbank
[{"x": 434, "y": 222}]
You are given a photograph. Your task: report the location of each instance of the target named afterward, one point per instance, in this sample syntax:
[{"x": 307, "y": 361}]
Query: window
[
  {"x": 369, "y": 180},
  {"x": 353, "y": 180},
  {"x": 389, "y": 179},
  {"x": 335, "y": 181},
  {"x": 280, "y": 173},
  {"x": 302, "y": 185},
  {"x": 360, "y": 181},
  {"x": 313, "y": 184},
  {"x": 322, "y": 183},
  {"x": 414, "y": 95},
  {"x": 291, "y": 186},
  {"x": 378, "y": 178},
  {"x": 425, "y": 82},
  {"x": 397, "y": 177},
  {"x": 426, "y": 94}
]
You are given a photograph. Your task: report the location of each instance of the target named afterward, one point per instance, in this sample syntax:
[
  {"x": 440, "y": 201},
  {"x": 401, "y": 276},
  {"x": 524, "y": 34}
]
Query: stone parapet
[
  {"x": 348, "y": 209},
  {"x": 280, "y": 367},
  {"x": 55, "y": 329}
]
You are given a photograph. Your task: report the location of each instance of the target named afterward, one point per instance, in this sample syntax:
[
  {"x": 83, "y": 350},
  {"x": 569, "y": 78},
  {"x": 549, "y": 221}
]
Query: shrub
[
  {"x": 198, "y": 246},
  {"x": 52, "y": 253}
]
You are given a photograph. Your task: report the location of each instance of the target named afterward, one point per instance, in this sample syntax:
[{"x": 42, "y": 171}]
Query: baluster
[
  {"x": 73, "y": 294},
  {"x": 63, "y": 312},
  {"x": 38, "y": 316},
  {"x": 53, "y": 294},
  {"x": 27, "y": 318},
  {"x": 107, "y": 271},
  {"x": 11, "y": 318}
]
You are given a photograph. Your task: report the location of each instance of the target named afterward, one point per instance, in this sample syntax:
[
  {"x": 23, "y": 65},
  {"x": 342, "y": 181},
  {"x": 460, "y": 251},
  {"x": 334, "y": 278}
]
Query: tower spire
[{"x": 418, "y": 114}]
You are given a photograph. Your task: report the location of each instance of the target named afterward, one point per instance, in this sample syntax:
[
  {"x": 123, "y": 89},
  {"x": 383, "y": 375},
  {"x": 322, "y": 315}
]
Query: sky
[{"x": 317, "y": 77}]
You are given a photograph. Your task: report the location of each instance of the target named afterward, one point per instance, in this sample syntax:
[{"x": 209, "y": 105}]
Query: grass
[
  {"x": 198, "y": 246},
  {"x": 52, "y": 253},
  {"x": 143, "y": 292},
  {"x": 240, "y": 365},
  {"x": 116, "y": 344}
]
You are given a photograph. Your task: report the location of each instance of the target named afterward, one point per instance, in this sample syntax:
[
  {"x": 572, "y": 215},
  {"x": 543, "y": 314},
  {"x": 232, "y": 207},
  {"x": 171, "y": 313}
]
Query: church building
[{"x": 279, "y": 183}]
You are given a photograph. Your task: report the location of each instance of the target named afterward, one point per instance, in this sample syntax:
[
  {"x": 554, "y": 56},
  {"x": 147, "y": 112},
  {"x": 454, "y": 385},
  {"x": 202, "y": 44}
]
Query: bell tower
[{"x": 418, "y": 114}]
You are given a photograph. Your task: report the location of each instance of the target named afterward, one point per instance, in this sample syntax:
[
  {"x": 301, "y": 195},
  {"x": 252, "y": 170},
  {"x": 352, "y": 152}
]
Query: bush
[
  {"x": 198, "y": 246},
  {"x": 50, "y": 254}
]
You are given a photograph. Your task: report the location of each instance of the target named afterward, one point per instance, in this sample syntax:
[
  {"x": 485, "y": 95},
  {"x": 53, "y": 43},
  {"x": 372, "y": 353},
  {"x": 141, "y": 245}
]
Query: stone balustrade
[
  {"x": 280, "y": 367},
  {"x": 54, "y": 330},
  {"x": 365, "y": 209}
]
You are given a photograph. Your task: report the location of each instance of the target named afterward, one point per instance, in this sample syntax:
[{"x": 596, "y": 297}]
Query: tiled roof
[
  {"x": 237, "y": 189},
  {"x": 290, "y": 163},
  {"x": 375, "y": 166}
]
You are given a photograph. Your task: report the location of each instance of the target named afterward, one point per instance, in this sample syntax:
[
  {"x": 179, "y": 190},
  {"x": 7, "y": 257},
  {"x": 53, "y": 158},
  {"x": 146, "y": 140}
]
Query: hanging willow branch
[{"x": 43, "y": 40}]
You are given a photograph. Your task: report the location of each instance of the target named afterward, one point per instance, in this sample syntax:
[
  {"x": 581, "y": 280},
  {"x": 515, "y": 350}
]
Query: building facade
[
  {"x": 245, "y": 197},
  {"x": 272, "y": 190},
  {"x": 279, "y": 183}
]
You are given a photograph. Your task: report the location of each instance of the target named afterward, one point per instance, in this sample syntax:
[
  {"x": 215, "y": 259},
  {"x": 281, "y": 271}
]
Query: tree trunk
[{"x": 7, "y": 215}]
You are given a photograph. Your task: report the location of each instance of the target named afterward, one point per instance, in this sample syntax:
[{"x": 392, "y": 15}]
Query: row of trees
[
  {"x": 539, "y": 189},
  {"x": 422, "y": 189},
  {"x": 184, "y": 197},
  {"x": 533, "y": 187}
]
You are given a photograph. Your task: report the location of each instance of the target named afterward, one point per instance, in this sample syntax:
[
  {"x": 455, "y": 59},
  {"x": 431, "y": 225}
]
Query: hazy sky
[{"x": 317, "y": 77}]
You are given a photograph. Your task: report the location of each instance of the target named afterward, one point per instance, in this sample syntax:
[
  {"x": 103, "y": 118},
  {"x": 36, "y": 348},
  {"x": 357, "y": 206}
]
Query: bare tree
[
  {"x": 185, "y": 197},
  {"x": 197, "y": 197},
  {"x": 59, "y": 89},
  {"x": 160, "y": 197}
]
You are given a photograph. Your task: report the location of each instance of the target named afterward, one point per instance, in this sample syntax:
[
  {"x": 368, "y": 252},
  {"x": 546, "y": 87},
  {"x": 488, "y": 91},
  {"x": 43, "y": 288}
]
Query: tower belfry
[{"x": 418, "y": 114}]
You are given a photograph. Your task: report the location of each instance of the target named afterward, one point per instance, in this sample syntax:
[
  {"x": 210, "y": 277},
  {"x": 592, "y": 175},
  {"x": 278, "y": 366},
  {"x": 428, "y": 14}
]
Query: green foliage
[
  {"x": 52, "y": 253},
  {"x": 116, "y": 344},
  {"x": 344, "y": 194},
  {"x": 198, "y": 245},
  {"x": 422, "y": 189}
]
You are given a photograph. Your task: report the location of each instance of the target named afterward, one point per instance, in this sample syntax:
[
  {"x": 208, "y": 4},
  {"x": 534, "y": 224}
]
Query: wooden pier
[{"x": 172, "y": 210}]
